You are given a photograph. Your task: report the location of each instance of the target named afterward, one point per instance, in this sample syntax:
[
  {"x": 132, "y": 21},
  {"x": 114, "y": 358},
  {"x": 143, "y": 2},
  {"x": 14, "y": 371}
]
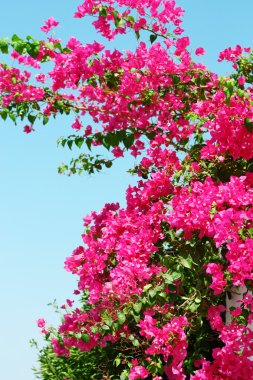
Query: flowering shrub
[{"x": 154, "y": 278}]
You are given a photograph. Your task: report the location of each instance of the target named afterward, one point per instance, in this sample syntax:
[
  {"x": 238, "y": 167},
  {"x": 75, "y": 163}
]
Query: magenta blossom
[
  {"x": 200, "y": 51},
  {"x": 28, "y": 129},
  {"x": 49, "y": 24},
  {"x": 241, "y": 80},
  {"x": 41, "y": 323},
  {"x": 138, "y": 372},
  {"x": 117, "y": 152},
  {"x": 77, "y": 125}
]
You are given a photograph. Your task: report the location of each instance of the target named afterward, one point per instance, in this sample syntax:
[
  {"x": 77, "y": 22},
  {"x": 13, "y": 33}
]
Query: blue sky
[{"x": 40, "y": 211}]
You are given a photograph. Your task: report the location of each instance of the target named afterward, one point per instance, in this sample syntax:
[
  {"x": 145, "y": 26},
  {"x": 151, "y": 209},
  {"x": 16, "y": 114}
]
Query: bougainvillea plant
[{"x": 164, "y": 283}]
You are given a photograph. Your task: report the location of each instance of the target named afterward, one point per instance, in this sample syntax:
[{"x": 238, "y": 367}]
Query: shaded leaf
[{"x": 152, "y": 38}]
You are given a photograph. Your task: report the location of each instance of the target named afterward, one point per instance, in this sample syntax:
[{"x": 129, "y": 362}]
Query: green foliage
[
  {"x": 81, "y": 365},
  {"x": 84, "y": 162}
]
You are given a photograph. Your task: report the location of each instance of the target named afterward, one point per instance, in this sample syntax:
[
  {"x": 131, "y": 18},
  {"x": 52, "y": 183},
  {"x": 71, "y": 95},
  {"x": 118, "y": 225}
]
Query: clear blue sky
[{"x": 40, "y": 211}]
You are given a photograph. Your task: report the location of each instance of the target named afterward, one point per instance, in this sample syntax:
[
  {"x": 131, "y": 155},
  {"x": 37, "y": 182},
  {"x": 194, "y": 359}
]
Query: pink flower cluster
[
  {"x": 169, "y": 341},
  {"x": 161, "y": 11},
  {"x": 14, "y": 87},
  {"x": 232, "y": 54},
  {"x": 138, "y": 372},
  {"x": 218, "y": 281},
  {"x": 226, "y": 125},
  {"x": 186, "y": 126},
  {"x": 25, "y": 60},
  {"x": 221, "y": 211},
  {"x": 233, "y": 360},
  {"x": 49, "y": 24}
]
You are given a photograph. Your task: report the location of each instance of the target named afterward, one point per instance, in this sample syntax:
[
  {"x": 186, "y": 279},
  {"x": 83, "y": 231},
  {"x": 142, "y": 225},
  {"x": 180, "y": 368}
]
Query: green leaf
[
  {"x": 136, "y": 317},
  {"x": 152, "y": 293},
  {"x": 49, "y": 45},
  {"x": 36, "y": 107},
  {"x": 32, "y": 39},
  {"x": 194, "y": 307},
  {"x": 118, "y": 21},
  {"x": 240, "y": 93},
  {"x": 108, "y": 164},
  {"x": 175, "y": 79},
  {"x": 106, "y": 143},
  {"x": 111, "y": 139},
  {"x": 229, "y": 90},
  {"x": 144, "y": 300},
  {"x": 187, "y": 263},
  {"x": 58, "y": 46},
  {"x": 16, "y": 38},
  {"x": 151, "y": 135},
  {"x": 114, "y": 139},
  {"x": 147, "y": 287},
  {"x": 109, "y": 322},
  {"x": 79, "y": 142},
  {"x": 152, "y": 38},
  {"x": 121, "y": 22},
  {"x": 137, "y": 307},
  {"x": 128, "y": 140},
  {"x": 163, "y": 295},
  {"x": 12, "y": 117},
  {"x": 85, "y": 337},
  {"x": 88, "y": 143},
  {"x": 70, "y": 143},
  {"x": 170, "y": 278},
  {"x": 4, "y": 45},
  {"x": 103, "y": 12},
  {"x": 4, "y": 114},
  {"x": 131, "y": 19},
  {"x": 94, "y": 329},
  {"x": 63, "y": 142},
  {"x": 197, "y": 299},
  {"x": 20, "y": 46},
  {"x": 45, "y": 119},
  {"x": 117, "y": 362},
  {"x": 124, "y": 375},
  {"x": 121, "y": 318},
  {"x": 248, "y": 124},
  {"x": 105, "y": 328},
  {"x": 136, "y": 343},
  {"x": 137, "y": 34},
  {"x": 31, "y": 118},
  {"x": 33, "y": 49}
]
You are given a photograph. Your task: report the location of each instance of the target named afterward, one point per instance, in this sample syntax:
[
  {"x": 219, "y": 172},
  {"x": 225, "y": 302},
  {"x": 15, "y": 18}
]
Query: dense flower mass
[{"x": 165, "y": 282}]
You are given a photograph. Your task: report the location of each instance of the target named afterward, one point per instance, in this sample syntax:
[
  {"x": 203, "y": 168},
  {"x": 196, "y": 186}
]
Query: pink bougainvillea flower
[
  {"x": 138, "y": 372},
  {"x": 178, "y": 31},
  {"x": 117, "y": 152},
  {"x": 181, "y": 45},
  {"x": 218, "y": 281},
  {"x": 77, "y": 125},
  {"x": 40, "y": 78},
  {"x": 41, "y": 322},
  {"x": 49, "y": 24},
  {"x": 200, "y": 51},
  {"x": 236, "y": 312},
  {"x": 69, "y": 302},
  {"x": 28, "y": 129},
  {"x": 231, "y": 54},
  {"x": 88, "y": 131},
  {"x": 241, "y": 80}
]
